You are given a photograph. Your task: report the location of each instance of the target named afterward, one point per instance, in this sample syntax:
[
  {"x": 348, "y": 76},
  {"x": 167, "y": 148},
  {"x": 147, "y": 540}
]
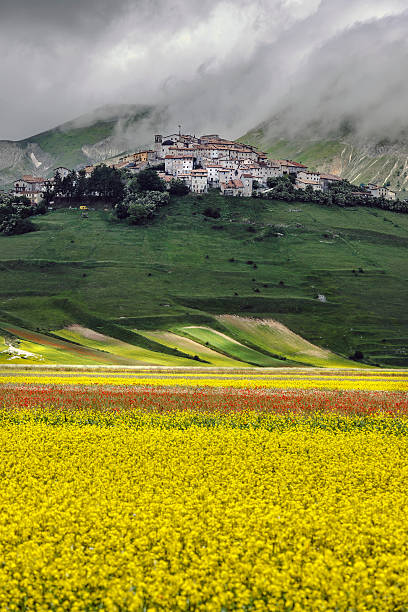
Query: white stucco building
[
  {"x": 381, "y": 192},
  {"x": 303, "y": 183},
  {"x": 31, "y": 187},
  {"x": 199, "y": 181},
  {"x": 178, "y": 164},
  {"x": 309, "y": 175}
]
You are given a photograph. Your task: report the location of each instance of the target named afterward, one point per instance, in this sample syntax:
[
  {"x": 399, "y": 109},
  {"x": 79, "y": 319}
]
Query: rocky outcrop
[
  {"x": 17, "y": 159},
  {"x": 108, "y": 147}
]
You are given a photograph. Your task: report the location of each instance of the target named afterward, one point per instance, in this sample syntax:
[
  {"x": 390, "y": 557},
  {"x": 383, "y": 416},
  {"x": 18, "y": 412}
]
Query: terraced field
[
  {"x": 227, "y": 345},
  {"x": 260, "y": 343},
  {"x": 274, "y": 337},
  {"x": 117, "y": 349},
  {"x": 191, "y": 346}
]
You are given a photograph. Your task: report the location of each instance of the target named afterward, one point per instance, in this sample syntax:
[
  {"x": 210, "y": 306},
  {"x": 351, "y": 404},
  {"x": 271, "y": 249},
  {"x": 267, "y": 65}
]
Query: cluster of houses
[
  {"x": 207, "y": 162},
  {"x": 33, "y": 187}
]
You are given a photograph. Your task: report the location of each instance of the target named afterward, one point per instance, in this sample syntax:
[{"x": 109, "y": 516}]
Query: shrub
[
  {"x": 178, "y": 188},
  {"x": 214, "y": 213},
  {"x": 139, "y": 208},
  {"x": 149, "y": 180},
  {"x": 16, "y": 225}
]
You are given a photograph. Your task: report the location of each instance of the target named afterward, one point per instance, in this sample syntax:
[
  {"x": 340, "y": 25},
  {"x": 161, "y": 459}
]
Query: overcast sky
[{"x": 219, "y": 65}]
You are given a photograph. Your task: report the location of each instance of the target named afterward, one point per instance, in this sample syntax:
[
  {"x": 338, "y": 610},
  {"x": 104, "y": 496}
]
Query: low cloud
[{"x": 211, "y": 65}]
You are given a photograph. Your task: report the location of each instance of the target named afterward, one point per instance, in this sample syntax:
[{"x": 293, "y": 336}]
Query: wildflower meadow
[{"x": 168, "y": 491}]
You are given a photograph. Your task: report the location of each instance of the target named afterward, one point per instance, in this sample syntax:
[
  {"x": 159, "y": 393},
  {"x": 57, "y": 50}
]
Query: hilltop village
[{"x": 202, "y": 163}]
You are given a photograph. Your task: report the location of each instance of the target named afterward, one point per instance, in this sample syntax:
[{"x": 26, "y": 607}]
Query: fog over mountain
[{"x": 209, "y": 64}]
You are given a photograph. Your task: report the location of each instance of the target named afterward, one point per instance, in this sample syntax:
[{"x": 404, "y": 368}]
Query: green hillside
[
  {"x": 261, "y": 260},
  {"x": 358, "y": 162}
]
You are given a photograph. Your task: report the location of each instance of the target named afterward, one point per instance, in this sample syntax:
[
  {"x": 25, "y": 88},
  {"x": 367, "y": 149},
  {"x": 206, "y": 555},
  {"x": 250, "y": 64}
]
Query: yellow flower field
[
  {"x": 172, "y": 512},
  {"x": 374, "y": 382}
]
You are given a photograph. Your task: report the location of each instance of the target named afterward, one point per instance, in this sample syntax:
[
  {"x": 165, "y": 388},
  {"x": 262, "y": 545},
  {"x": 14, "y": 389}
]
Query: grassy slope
[
  {"x": 65, "y": 145},
  {"x": 177, "y": 271}
]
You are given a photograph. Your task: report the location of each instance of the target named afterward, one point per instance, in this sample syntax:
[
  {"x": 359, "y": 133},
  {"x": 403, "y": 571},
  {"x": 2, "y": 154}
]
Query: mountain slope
[
  {"x": 93, "y": 137},
  {"x": 357, "y": 160}
]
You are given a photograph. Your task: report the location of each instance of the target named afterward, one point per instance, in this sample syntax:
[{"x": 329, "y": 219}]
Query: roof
[
  {"x": 366, "y": 194},
  {"x": 179, "y": 157},
  {"x": 247, "y": 176},
  {"x": 289, "y": 162},
  {"x": 307, "y": 181},
  {"x": 330, "y": 177},
  {"x": 199, "y": 172},
  {"x": 175, "y": 148},
  {"x": 33, "y": 179},
  {"x": 235, "y": 184}
]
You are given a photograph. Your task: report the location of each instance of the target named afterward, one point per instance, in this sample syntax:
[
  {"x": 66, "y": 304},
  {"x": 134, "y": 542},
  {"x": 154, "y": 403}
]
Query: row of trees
[
  {"x": 105, "y": 184},
  {"x": 340, "y": 193},
  {"x": 14, "y": 214}
]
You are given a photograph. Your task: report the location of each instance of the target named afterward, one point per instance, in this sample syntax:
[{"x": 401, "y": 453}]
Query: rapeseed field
[
  {"x": 202, "y": 511},
  {"x": 374, "y": 382}
]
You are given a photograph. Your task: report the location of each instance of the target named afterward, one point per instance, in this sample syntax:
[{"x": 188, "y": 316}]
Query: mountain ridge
[
  {"x": 355, "y": 158},
  {"x": 87, "y": 139}
]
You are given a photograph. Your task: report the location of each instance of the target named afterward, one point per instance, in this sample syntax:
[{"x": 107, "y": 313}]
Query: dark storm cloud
[{"x": 214, "y": 64}]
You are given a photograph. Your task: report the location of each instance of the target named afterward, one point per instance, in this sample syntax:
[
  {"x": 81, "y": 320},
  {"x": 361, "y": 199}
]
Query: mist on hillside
[{"x": 318, "y": 67}]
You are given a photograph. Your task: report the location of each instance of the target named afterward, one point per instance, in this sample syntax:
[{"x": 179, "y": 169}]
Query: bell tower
[{"x": 158, "y": 143}]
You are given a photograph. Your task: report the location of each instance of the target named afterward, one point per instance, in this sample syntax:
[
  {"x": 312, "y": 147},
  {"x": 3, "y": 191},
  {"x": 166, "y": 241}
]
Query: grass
[{"x": 184, "y": 269}]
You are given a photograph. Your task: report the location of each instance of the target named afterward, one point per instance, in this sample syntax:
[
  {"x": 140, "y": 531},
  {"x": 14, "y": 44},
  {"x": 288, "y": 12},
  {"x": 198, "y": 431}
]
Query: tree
[
  {"x": 81, "y": 186},
  {"x": 178, "y": 188},
  {"x": 48, "y": 194},
  {"x": 122, "y": 210},
  {"x": 16, "y": 225},
  {"x": 149, "y": 180},
  {"x": 106, "y": 183},
  {"x": 141, "y": 207},
  {"x": 139, "y": 212}
]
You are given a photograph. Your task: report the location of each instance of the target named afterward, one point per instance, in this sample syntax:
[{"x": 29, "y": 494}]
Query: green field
[{"x": 260, "y": 260}]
